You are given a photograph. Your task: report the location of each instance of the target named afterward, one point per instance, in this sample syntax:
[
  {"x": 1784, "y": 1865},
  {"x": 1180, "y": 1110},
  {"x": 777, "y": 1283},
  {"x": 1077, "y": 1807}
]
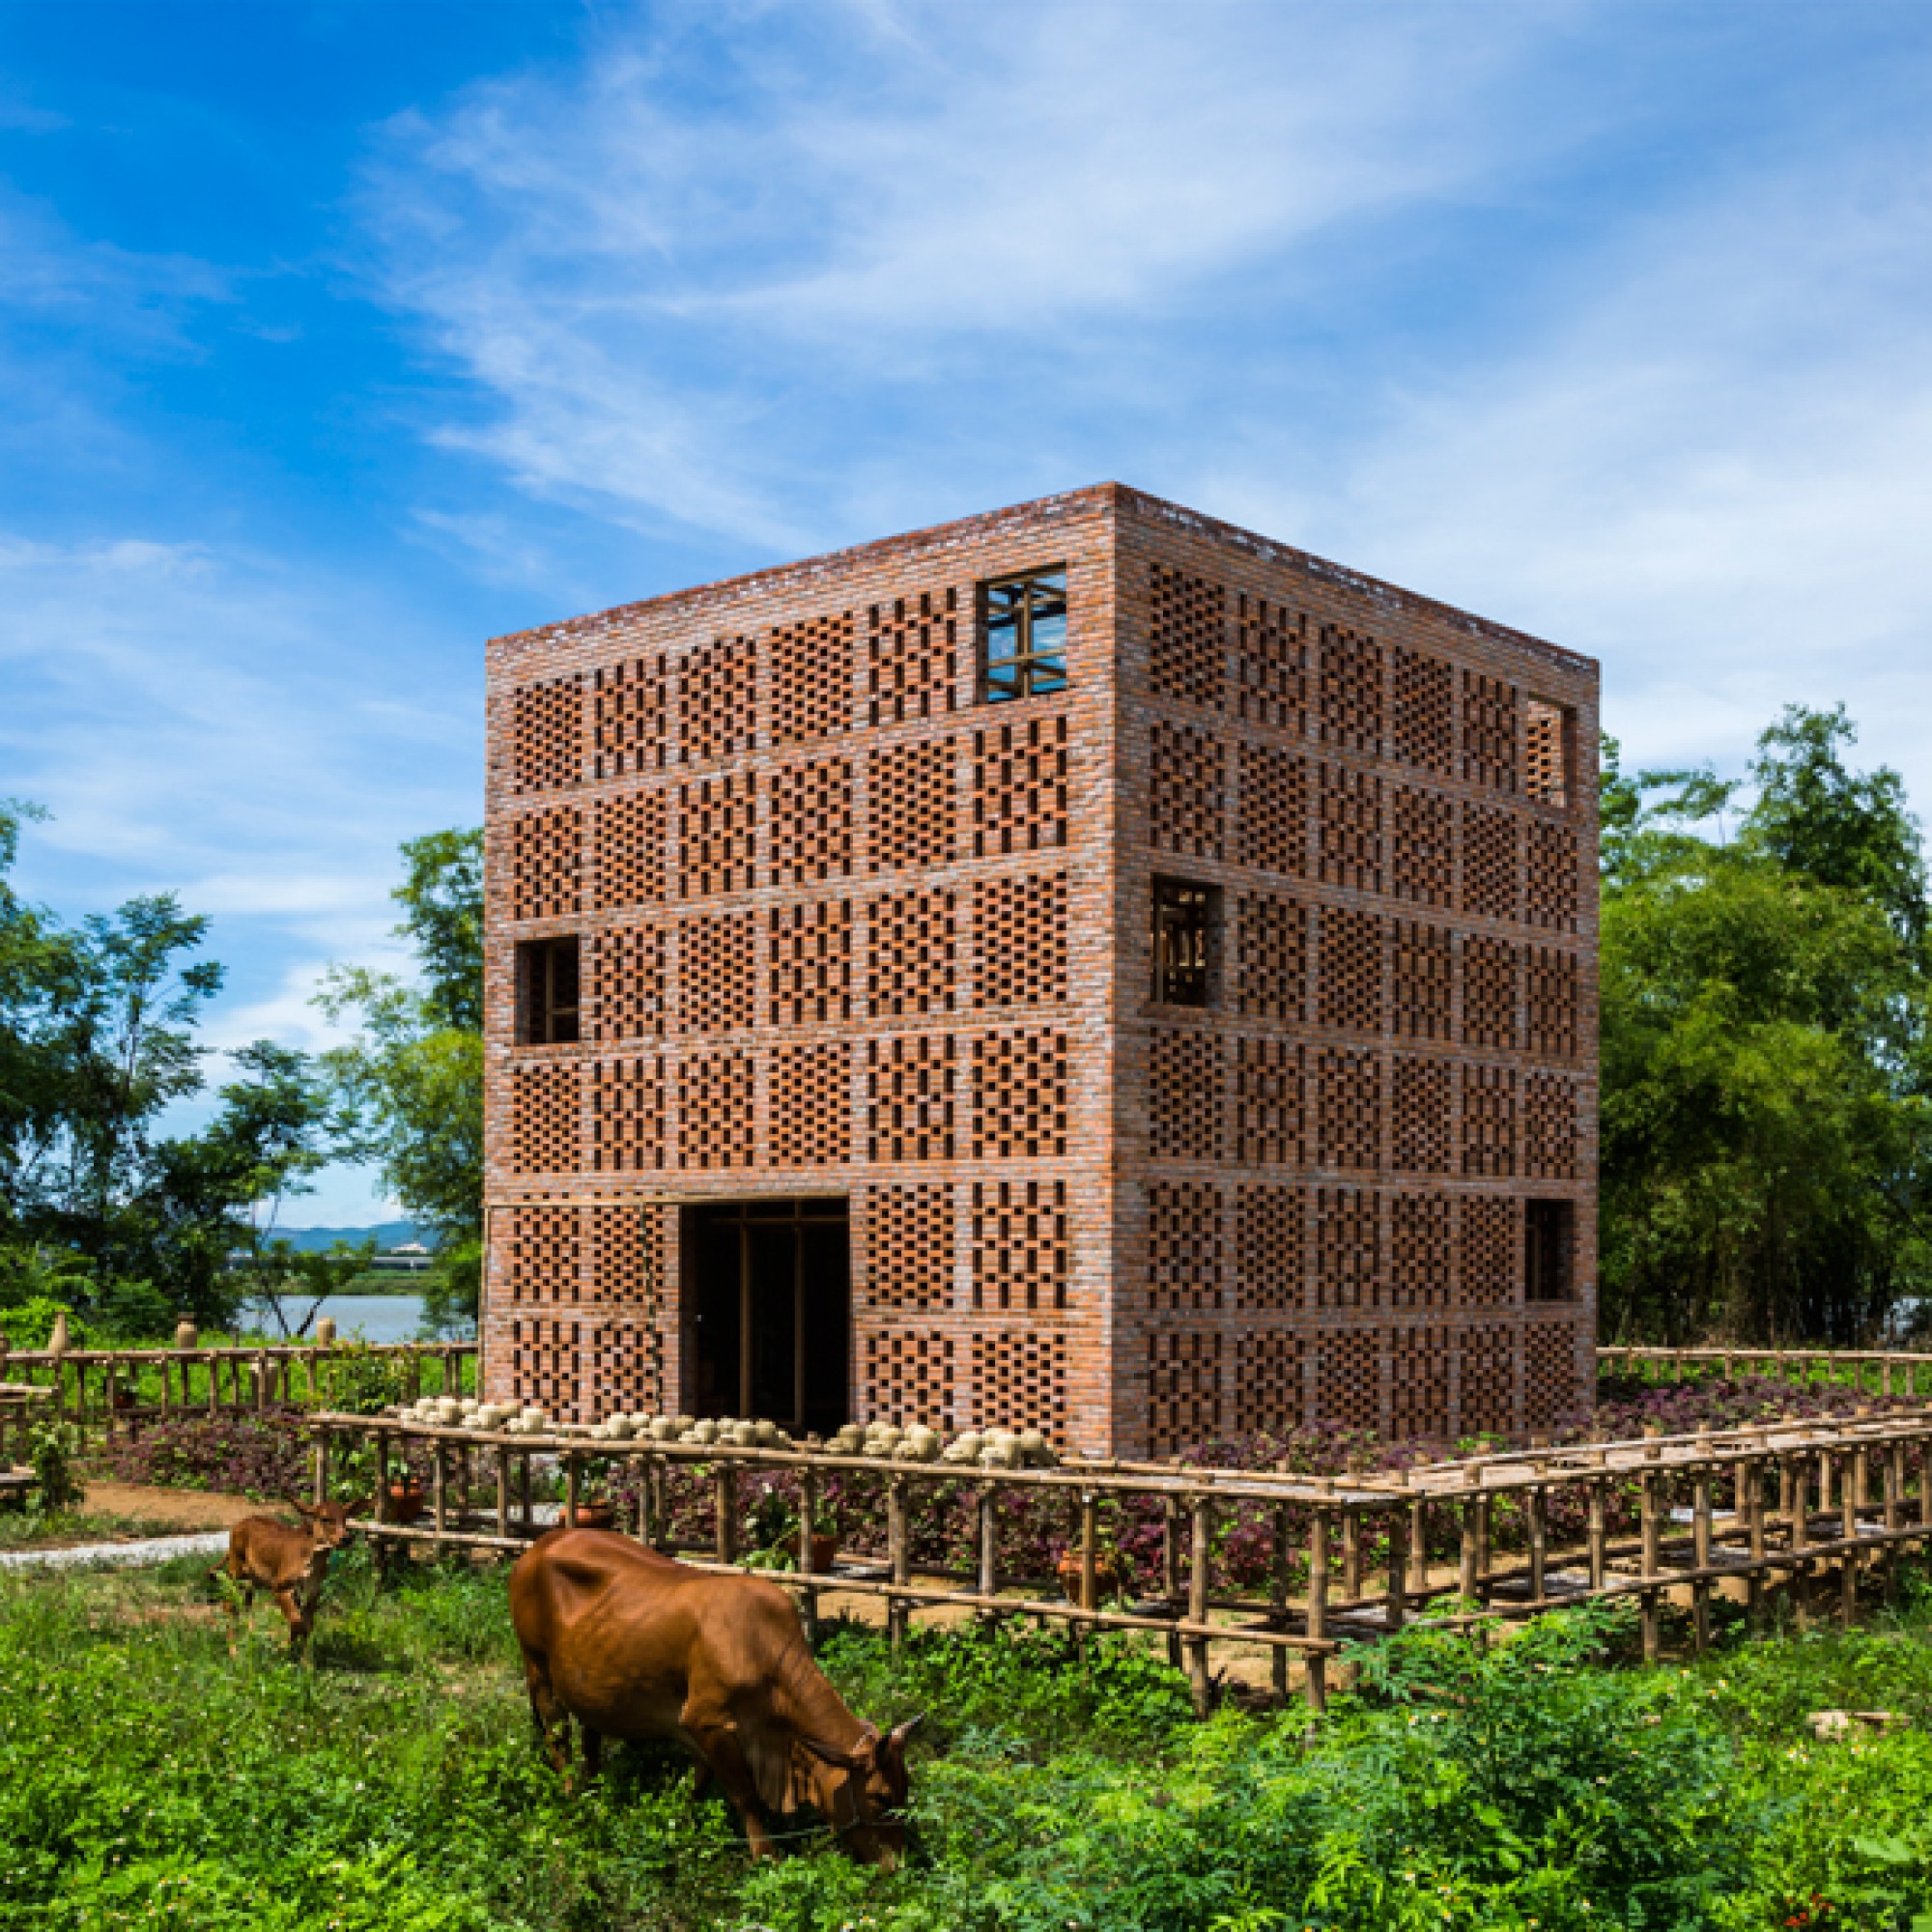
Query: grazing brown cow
[
  {"x": 266, "y": 1552},
  {"x": 633, "y": 1645}
]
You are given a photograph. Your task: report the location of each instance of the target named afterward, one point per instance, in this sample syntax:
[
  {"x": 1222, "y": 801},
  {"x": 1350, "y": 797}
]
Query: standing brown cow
[
  {"x": 633, "y": 1645},
  {"x": 265, "y": 1551}
]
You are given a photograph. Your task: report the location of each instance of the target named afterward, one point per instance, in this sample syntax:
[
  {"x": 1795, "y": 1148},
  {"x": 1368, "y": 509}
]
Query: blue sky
[{"x": 336, "y": 339}]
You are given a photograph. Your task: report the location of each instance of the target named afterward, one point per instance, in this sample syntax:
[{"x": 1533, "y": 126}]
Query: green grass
[
  {"x": 29, "y": 1529},
  {"x": 149, "y": 1776}
]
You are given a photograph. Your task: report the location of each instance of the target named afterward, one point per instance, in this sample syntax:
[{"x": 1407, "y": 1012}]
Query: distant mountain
[{"x": 386, "y": 1235}]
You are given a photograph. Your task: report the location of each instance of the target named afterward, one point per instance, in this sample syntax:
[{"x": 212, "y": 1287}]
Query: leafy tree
[
  {"x": 410, "y": 1085},
  {"x": 1765, "y": 1002}
]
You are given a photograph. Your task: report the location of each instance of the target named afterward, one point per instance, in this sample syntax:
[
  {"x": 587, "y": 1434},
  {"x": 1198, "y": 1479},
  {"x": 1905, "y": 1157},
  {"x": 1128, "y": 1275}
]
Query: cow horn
[{"x": 902, "y": 1732}]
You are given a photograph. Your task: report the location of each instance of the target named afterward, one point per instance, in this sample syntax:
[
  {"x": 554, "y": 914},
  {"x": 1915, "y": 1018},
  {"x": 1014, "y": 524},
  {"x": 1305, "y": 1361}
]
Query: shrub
[{"x": 262, "y": 1455}]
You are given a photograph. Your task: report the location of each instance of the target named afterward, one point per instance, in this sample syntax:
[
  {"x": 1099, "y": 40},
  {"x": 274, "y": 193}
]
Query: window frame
[
  {"x": 1025, "y": 662},
  {"x": 542, "y": 1018},
  {"x": 1165, "y": 892}
]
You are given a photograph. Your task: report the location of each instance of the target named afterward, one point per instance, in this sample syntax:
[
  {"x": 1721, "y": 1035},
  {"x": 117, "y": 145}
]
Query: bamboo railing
[
  {"x": 1352, "y": 1557},
  {"x": 1887, "y": 1371}
]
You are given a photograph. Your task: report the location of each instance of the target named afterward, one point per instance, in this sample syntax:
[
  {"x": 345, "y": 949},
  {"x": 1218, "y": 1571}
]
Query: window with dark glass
[
  {"x": 1023, "y": 635},
  {"x": 1184, "y": 942},
  {"x": 1548, "y": 1232},
  {"x": 546, "y": 992}
]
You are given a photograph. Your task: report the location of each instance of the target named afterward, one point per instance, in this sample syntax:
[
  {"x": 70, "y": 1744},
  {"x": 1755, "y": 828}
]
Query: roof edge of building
[{"x": 1141, "y": 503}]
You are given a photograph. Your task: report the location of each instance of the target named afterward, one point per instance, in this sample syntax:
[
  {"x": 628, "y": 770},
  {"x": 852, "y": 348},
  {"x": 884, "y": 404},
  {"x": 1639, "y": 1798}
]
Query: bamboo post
[
  {"x": 1598, "y": 1533},
  {"x": 1198, "y": 1564},
  {"x": 1652, "y": 1635},
  {"x": 1089, "y": 1550},
  {"x": 1700, "y": 1543},
  {"x": 111, "y": 1385},
  {"x": 1351, "y": 1555},
  {"x": 1750, "y": 1480},
  {"x": 1418, "y": 1549},
  {"x": 321, "y": 1466},
  {"x": 1278, "y": 1601},
  {"x": 1537, "y": 1520},
  {"x": 525, "y": 1508},
  {"x": 1397, "y": 1610},
  {"x": 1315, "y": 1682},
  {"x": 1467, "y": 1581},
  {"x": 1484, "y": 1507},
  {"x": 1797, "y": 1531},
  {"x": 808, "y": 1565},
  {"x": 502, "y": 1458},
  {"x": 899, "y": 1552},
  {"x": 1170, "y": 1569},
  {"x": 724, "y": 1491},
  {"x": 441, "y": 1491},
  {"x": 1848, "y": 1531},
  {"x": 989, "y": 1543}
]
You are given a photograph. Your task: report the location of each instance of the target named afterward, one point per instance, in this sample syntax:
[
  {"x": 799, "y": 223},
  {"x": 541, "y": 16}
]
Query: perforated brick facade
[{"x": 848, "y": 930}]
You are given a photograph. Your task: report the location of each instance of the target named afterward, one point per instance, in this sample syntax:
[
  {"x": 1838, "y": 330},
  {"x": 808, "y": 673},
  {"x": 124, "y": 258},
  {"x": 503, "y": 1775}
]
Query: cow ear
[{"x": 844, "y": 1760}]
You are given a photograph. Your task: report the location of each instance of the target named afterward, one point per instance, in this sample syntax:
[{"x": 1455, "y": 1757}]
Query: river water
[{"x": 376, "y": 1317}]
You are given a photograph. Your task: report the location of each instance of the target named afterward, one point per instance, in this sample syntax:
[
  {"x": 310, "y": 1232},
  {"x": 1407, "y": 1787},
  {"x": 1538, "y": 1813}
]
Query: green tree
[
  {"x": 1765, "y": 1003},
  {"x": 410, "y": 1083}
]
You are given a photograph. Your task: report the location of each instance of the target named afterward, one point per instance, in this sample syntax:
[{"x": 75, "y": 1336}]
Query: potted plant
[
  {"x": 824, "y": 1538},
  {"x": 1111, "y": 1572},
  {"x": 595, "y": 1508},
  {"x": 406, "y": 1497}
]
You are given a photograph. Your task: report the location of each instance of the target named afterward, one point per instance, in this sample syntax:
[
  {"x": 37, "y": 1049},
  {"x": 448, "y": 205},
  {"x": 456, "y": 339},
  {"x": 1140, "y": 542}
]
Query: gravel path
[{"x": 117, "y": 1555}]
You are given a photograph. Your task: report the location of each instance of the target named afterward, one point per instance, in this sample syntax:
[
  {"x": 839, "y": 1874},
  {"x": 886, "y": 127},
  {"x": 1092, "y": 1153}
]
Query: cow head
[
  {"x": 327, "y": 1523},
  {"x": 862, "y": 1791}
]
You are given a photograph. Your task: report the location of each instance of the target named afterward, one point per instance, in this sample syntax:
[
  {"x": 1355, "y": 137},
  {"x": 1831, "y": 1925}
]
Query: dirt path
[{"x": 197, "y": 1509}]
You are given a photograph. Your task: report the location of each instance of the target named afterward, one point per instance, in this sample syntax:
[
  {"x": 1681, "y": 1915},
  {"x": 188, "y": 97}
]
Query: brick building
[{"x": 1083, "y": 965}]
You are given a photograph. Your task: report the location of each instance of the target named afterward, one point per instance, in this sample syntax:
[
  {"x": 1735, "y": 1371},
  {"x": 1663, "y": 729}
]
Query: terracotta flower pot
[
  {"x": 1110, "y": 1573},
  {"x": 595, "y": 1516},
  {"x": 405, "y": 1502},
  {"x": 824, "y": 1553}
]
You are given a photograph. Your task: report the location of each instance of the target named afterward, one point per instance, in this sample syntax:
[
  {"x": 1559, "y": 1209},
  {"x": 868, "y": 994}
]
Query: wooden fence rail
[
  {"x": 1885, "y": 1370},
  {"x": 1357, "y": 1556}
]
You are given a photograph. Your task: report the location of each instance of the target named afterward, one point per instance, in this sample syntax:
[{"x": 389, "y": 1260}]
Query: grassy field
[{"x": 150, "y": 1777}]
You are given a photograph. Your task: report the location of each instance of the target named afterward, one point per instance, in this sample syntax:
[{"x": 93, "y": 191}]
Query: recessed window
[
  {"x": 1023, "y": 635},
  {"x": 547, "y": 1007},
  {"x": 1184, "y": 920},
  {"x": 1550, "y": 1229},
  {"x": 1549, "y": 731}
]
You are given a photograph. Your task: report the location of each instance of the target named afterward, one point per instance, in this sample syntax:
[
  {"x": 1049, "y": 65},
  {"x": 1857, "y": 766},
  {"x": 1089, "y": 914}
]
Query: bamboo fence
[
  {"x": 1733, "y": 1511},
  {"x": 1887, "y": 1371}
]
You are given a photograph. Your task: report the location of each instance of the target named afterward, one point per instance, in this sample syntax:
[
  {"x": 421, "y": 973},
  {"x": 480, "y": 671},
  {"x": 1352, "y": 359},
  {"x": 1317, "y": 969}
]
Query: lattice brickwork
[
  {"x": 718, "y": 834},
  {"x": 1184, "y": 1406},
  {"x": 542, "y": 1253},
  {"x": 1550, "y": 876},
  {"x": 1425, "y": 981},
  {"x": 1489, "y": 1121},
  {"x": 1489, "y": 992},
  {"x": 719, "y": 976},
  {"x": 1490, "y": 870},
  {"x": 1187, "y": 645},
  {"x": 1423, "y": 731},
  {"x": 1271, "y": 664},
  {"x": 1267, "y": 1382},
  {"x": 810, "y": 832},
  {"x": 1551, "y": 1381},
  {"x": 811, "y": 963},
  {"x": 1348, "y": 1381},
  {"x": 1019, "y": 1095},
  {"x": 1489, "y": 711},
  {"x": 1488, "y": 1376},
  {"x": 544, "y": 1365},
  {"x": 811, "y": 1104},
  {"x": 1185, "y": 1079},
  {"x": 911, "y": 1374},
  {"x": 1349, "y": 690},
  {"x": 1019, "y": 787},
  {"x": 1186, "y": 782},
  {"x": 1020, "y": 935},
  {"x": 631, "y": 832},
  {"x": 910, "y": 1098},
  {"x": 811, "y": 674},
  {"x": 627, "y": 1115},
  {"x": 1270, "y": 958},
  {"x": 1022, "y": 1247},
  {"x": 547, "y": 735},
  {"x": 910, "y": 1235},
  {"x": 1348, "y": 1247},
  {"x": 629, "y": 707},
  {"x": 1270, "y": 1233},
  {"x": 1019, "y": 1378},
  {"x": 1273, "y": 803},
  {"x": 915, "y": 953},
  {"x": 1422, "y": 1109},
  {"x": 547, "y": 863},
  {"x": 1350, "y": 841},
  {"x": 620, "y": 1368},
  {"x": 1551, "y": 988},
  {"x": 546, "y": 1133},
  {"x": 1418, "y": 1386},
  {"x": 718, "y": 700},
  {"x": 1421, "y": 1255},
  {"x": 1545, "y": 754},
  {"x": 1348, "y": 1108},
  {"x": 715, "y": 1097},
  {"x": 1185, "y": 1246},
  {"x": 1349, "y": 970},
  {"x": 913, "y": 658},
  {"x": 1492, "y": 1242},
  {"x": 1271, "y": 1103},
  {"x": 1550, "y": 1137},
  {"x": 626, "y": 1259},
  {"x": 914, "y": 807},
  {"x": 1421, "y": 846},
  {"x": 626, "y": 982}
]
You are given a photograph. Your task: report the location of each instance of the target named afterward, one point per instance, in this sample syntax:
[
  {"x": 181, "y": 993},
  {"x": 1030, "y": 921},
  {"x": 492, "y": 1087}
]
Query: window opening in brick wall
[
  {"x": 1549, "y": 1240},
  {"x": 547, "y": 998},
  {"x": 1186, "y": 920},
  {"x": 1548, "y": 730},
  {"x": 1023, "y": 635}
]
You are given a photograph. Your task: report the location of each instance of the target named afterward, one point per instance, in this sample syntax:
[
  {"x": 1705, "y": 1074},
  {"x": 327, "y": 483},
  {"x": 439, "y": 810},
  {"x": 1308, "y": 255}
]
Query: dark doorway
[{"x": 768, "y": 1284}]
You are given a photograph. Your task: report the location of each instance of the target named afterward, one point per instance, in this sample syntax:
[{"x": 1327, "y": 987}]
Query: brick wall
[{"x": 846, "y": 930}]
